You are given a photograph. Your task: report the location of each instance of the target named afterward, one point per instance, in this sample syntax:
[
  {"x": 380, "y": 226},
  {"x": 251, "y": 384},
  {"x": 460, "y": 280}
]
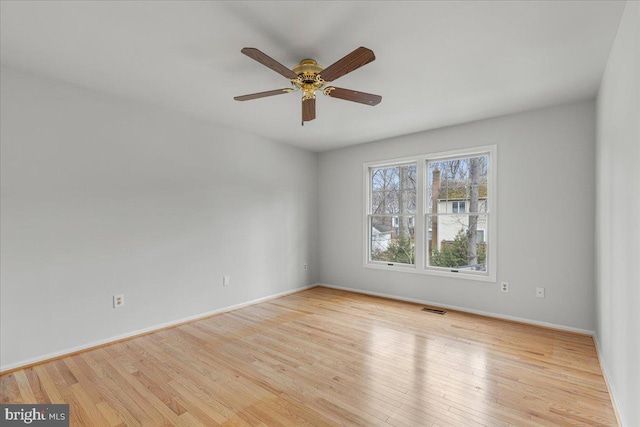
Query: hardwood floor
[{"x": 324, "y": 357}]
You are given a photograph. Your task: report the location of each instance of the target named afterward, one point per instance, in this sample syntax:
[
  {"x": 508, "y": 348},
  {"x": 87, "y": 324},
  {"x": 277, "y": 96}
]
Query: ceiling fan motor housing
[
  {"x": 309, "y": 79},
  {"x": 307, "y": 67}
]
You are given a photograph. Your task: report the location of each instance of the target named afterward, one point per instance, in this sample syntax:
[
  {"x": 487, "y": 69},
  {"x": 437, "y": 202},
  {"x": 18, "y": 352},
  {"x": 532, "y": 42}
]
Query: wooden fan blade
[
  {"x": 308, "y": 110},
  {"x": 262, "y": 94},
  {"x": 356, "y": 59},
  {"x": 267, "y": 61},
  {"x": 352, "y": 95}
]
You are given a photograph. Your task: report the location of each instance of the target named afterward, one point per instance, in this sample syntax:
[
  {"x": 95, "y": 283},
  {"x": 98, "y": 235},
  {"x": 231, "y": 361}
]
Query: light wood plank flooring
[{"x": 324, "y": 357}]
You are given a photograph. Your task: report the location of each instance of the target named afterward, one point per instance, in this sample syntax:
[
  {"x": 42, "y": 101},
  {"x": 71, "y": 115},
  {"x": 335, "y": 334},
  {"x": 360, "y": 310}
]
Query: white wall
[
  {"x": 618, "y": 218},
  {"x": 546, "y": 209},
  {"x": 103, "y": 196}
]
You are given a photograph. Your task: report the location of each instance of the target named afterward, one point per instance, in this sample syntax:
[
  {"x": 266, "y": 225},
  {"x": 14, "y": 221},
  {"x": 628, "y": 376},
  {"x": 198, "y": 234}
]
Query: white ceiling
[{"x": 438, "y": 63}]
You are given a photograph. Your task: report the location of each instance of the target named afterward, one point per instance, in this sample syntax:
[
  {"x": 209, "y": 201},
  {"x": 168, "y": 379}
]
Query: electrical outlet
[
  {"x": 118, "y": 300},
  {"x": 305, "y": 266},
  {"x": 504, "y": 286},
  {"x": 226, "y": 280},
  {"x": 540, "y": 292}
]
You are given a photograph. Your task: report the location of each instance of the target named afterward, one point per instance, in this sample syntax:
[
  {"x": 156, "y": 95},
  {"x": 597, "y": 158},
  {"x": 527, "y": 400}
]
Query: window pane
[
  {"x": 392, "y": 243},
  {"x": 393, "y": 190},
  {"x": 457, "y": 241},
  {"x": 458, "y": 180}
]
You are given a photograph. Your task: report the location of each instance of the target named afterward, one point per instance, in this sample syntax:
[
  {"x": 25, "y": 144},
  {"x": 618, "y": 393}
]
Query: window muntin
[{"x": 391, "y": 214}]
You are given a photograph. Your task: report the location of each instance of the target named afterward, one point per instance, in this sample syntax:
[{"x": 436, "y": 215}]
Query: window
[
  {"x": 391, "y": 214},
  {"x": 451, "y": 195},
  {"x": 457, "y": 207},
  {"x": 454, "y": 234}
]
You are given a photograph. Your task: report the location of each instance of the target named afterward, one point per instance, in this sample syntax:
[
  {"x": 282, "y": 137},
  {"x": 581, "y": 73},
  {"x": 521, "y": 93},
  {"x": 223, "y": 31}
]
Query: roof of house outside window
[{"x": 458, "y": 191}]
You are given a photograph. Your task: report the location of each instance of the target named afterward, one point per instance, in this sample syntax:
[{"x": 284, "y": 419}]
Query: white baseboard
[
  {"x": 133, "y": 334},
  {"x": 606, "y": 374},
  {"x": 465, "y": 310}
]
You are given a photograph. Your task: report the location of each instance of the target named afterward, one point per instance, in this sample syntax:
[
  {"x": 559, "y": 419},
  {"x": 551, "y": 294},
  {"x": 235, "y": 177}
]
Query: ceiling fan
[{"x": 310, "y": 77}]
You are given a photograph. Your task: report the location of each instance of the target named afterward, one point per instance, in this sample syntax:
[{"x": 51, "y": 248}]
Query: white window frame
[
  {"x": 368, "y": 214},
  {"x": 421, "y": 233}
]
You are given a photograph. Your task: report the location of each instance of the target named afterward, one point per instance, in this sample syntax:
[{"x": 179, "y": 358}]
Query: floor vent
[{"x": 433, "y": 310}]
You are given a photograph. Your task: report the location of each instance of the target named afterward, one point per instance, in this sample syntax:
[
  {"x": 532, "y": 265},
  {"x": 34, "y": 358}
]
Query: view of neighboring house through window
[
  {"x": 451, "y": 195},
  {"x": 391, "y": 217},
  {"x": 457, "y": 217}
]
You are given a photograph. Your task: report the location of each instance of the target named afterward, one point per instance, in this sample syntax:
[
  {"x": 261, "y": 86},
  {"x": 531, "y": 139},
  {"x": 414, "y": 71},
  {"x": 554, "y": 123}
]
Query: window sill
[{"x": 404, "y": 268}]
